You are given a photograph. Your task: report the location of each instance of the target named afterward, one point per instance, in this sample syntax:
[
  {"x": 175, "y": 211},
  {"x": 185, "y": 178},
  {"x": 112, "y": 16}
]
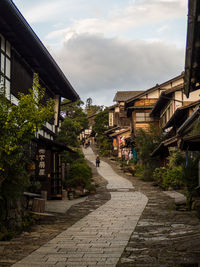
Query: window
[
  {"x": 5, "y": 70},
  {"x": 142, "y": 116}
]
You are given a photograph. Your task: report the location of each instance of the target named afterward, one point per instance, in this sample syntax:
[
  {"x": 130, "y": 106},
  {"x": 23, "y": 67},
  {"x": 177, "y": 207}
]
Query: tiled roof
[{"x": 125, "y": 95}]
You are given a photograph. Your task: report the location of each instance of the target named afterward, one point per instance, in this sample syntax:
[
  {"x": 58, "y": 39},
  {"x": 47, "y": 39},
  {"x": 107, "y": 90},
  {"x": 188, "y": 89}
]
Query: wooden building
[
  {"x": 181, "y": 111},
  {"x": 119, "y": 123},
  {"x": 140, "y": 106},
  {"x": 22, "y": 54},
  {"x": 120, "y": 113},
  {"x": 172, "y": 109}
]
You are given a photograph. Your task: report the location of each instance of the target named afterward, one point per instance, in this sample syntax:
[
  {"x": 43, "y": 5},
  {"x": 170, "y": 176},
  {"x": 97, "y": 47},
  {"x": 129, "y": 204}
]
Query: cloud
[
  {"x": 97, "y": 66},
  {"x": 145, "y": 12}
]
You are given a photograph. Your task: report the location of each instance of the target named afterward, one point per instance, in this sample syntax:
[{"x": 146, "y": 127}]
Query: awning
[
  {"x": 191, "y": 143},
  {"x": 162, "y": 148},
  {"x": 120, "y": 132},
  {"x": 52, "y": 144}
]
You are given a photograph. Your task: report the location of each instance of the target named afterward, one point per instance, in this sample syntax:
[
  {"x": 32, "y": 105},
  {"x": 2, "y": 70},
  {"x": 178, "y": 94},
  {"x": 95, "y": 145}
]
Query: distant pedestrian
[
  {"x": 83, "y": 141},
  {"x": 86, "y": 143},
  {"x": 97, "y": 161}
]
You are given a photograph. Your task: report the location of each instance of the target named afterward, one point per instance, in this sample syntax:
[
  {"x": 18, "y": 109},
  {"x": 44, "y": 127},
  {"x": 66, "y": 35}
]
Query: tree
[
  {"x": 92, "y": 109},
  {"x": 101, "y": 122},
  {"x": 100, "y": 126},
  {"x": 75, "y": 120},
  {"x": 146, "y": 142},
  {"x": 88, "y": 102},
  {"x": 18, "y": 124}
]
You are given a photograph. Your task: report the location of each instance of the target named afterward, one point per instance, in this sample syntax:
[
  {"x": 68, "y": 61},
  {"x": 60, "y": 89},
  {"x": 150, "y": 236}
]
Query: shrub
[
  {"x": 173, "y": 178},
  {"x": 158, "y": 175},
  {"x": 105, "y": 145},
  {"x": 167, "y": 178},
  {"x": 76, "y": 182},
  {"x": 139, "y": 169},
  {"x": 80, "y": 170},
  {"x": 146, "y": 142},
  {"x": 34, "y": 187},
  {"x": 91, "y": 187},
  {"x": 80, "y": 174}
]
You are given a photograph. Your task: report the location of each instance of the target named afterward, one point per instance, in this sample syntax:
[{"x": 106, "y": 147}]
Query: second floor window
[
  {"x": 5, "y": 70},
  {"x": 142, "y": 117}
]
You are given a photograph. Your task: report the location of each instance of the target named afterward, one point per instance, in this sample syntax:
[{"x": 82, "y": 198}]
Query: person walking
[{"x": 97, "y": 161}]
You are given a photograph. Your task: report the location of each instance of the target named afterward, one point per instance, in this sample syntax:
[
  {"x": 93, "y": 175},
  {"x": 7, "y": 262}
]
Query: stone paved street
[
  {"x": 99, "y": 238},
  {"x": 163, "y": 236}
]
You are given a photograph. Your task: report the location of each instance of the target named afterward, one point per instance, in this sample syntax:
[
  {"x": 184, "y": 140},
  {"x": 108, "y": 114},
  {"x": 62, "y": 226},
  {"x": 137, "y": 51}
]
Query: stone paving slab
[
  {"x": 62, "y": 206},
  {"x": 99, "y": 238},
  {"x": 178, "y": 197}
]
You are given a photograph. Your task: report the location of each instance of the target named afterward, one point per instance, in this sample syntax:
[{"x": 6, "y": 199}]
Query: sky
[{"x": 105, "y": 46}]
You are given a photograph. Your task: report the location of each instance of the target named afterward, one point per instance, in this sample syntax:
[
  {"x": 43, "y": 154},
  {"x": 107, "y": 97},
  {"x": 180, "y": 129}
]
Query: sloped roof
[
  {"x": 178, "y": 115},
  {"x": 120, "y": 132},
  {"x": 164, "y": 99},
  {"x": 18, "y": 32},
  {"x": 125, "y": 95},
  {"x": 112, "y": 107},
  {"x": 158, "y": 86}
]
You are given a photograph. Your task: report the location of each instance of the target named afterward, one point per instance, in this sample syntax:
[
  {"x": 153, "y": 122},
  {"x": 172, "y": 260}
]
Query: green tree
[
  {"x": 146, "y": 142},
  {"x": 94, "y": 109},
  {"x": 75, "y": 120},
  {"x": 101, "y": 122},
  {"x": 18, "y": 124},
  {"x": 100, "y": 126}
]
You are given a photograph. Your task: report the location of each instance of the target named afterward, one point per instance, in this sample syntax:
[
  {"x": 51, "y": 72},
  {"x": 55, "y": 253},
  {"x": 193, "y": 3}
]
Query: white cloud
[
  {"x": 94, "y": 60},
  {"x": 97, "y": 67},
  {"x": 143, "y": 13}
]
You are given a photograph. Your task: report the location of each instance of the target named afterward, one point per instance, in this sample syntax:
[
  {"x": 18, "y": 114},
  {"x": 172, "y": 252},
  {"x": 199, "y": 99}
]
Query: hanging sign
[{"x": 41, "y": 162}]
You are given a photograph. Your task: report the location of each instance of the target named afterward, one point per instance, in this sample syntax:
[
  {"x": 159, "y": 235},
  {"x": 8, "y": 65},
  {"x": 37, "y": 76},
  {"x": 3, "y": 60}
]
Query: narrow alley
[
  {"x": 100, "y": 237},
  {"x": 128, "y": 222}
]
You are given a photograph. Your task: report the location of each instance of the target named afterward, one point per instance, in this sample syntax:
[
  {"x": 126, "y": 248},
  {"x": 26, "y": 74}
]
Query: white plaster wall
[
  {"x": 178, "y": 96},
  {"x": 56, "y": 108},
  {"x": 166, "y": 87},
  {"x": 194, "y": 96},
  {"x": 177, "y": 82}
]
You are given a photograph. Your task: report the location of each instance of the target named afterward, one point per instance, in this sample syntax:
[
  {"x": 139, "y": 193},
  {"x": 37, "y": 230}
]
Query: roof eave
[{"x": 26, "y": 40}]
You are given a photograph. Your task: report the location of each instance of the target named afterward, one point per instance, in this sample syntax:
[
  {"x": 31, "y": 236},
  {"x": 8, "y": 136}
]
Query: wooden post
[
  {"x": 64, "y": 194},
  {"x": 38, "y": 205},
  {"x": 44, "y": 194}
]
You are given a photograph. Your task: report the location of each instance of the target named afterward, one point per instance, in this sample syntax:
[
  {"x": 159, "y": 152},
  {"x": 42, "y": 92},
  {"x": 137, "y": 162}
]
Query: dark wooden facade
[{"x": 21, "y": 55}]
